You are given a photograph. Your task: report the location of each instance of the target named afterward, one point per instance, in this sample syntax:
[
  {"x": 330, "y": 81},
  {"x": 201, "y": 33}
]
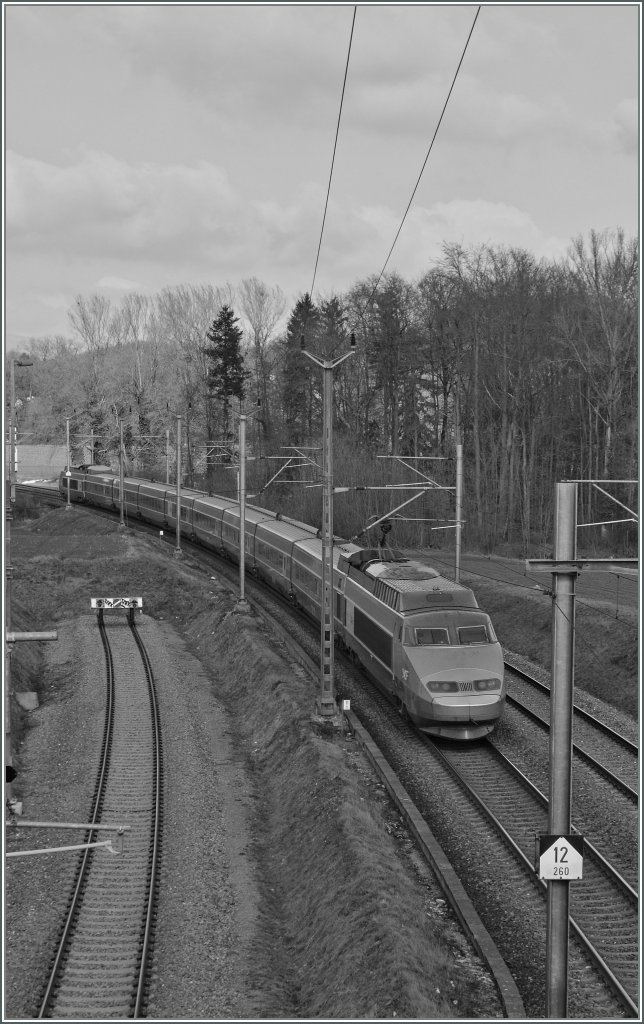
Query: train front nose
[{"x": 457, "y": 696}]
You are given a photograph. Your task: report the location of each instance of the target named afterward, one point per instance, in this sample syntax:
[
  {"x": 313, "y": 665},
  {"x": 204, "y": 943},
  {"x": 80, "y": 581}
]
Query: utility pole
[
  {"x": 121, "y": 478},
  {"x": 563, "y": 652},
  {"x": 459, "y": 512},
  {"x": 177, "y": 550},
  {"x": 68, "y": 471},
  {"x": 13, "y": 446},
  {"x": 242, "y": 603},
  {"x": 565, "y": 567},
  {"x": 326, "y": 702},
  {"x": 11, "y": 487}
]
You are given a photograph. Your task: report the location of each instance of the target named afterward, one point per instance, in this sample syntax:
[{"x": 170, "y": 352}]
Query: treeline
[{"x": 533, "y": 365}]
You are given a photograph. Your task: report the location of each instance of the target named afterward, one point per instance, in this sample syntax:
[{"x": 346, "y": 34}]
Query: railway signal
[{"x": 114, "y": 603}]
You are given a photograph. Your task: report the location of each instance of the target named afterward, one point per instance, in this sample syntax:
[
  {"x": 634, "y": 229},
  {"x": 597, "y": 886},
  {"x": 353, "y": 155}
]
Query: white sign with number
[{"x": 561, "y": 858}]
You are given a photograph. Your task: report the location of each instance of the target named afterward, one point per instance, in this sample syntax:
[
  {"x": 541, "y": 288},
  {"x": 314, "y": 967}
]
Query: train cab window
[
  {"x": 427, "y": 637},
  {"x": 473, "y": 634}
]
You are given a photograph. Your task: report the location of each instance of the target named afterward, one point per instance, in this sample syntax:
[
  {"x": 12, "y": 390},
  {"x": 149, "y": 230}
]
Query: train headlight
[
  {"x": 441, "y": 686},
  {"x": 486, "y": 684}
]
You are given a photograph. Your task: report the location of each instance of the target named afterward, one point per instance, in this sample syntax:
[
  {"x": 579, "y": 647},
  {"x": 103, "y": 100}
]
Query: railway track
[
  {"x": 100, "y": 966},
  {"x": 612, "y": 986},
  {"x": 603, "y": 909},
  {"x": 495, "y": 859},
  {"x": 49, "y": 496},
  {"x": 598, "y": 745},
  {"x": 605, "y": 920}
]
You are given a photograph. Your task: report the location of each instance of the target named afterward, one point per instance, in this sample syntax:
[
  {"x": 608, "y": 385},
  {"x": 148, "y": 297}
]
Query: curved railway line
[
  {"x": 507, "y": 811},
  {"x": 605, "y": 927},
  {"x": 101, "y": 962}
]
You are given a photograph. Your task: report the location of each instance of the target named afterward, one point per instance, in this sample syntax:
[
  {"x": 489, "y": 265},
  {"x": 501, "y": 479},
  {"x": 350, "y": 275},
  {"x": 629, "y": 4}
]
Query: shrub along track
[{"x": 99, "y": 969}]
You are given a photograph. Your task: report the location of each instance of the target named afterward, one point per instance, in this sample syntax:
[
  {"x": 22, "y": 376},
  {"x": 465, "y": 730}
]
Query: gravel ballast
[{"x": 288, "y": 887}]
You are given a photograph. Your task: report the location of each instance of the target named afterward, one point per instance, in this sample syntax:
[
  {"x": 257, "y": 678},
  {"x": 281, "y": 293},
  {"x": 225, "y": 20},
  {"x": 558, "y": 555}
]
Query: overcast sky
[{"x": 154, "y": 145}]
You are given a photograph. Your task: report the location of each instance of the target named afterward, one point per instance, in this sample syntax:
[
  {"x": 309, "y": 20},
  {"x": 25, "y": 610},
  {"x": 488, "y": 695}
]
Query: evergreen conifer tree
[
  {"x": 226, "y": 374},
  {"x": 296, "y": 384}
]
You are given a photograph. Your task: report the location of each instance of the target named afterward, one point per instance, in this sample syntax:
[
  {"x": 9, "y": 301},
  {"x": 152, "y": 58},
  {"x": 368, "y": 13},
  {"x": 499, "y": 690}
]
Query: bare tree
[
  {"x": 602, "y": 331},
  {"x": 93, "y": 320},
  {"x": 263, "y": 308},
  {"x": 186, "y": 313}
]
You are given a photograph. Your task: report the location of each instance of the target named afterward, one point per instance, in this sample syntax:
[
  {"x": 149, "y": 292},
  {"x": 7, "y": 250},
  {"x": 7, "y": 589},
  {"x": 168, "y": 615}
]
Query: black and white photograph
[{"x": 321, "y": 529}]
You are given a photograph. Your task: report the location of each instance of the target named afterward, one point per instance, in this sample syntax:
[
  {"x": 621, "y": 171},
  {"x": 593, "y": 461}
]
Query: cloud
[
  {"x": 52, "y": 300},
  {"x": 120, "y": 224},
  {"x": 102, "y": 205},
  {"x": 357, "y": 242},
  {"x": 626, "y": 126},
  {"x": 479, "y": 222},
  {"x": 119, "y": 284}
]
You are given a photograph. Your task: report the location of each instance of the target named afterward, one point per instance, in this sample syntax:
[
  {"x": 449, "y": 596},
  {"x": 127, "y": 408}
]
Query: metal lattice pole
[
  {"x": 327, "y": 696},
  {"x": 177, "y": 549},
  {"x": 326, "y": 701}
]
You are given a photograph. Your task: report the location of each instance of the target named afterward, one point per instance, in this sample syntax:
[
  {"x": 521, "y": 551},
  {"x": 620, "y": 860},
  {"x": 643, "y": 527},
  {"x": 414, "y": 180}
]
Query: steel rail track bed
[
  {"x": 623, "y": 992},
  {"x": 604, "y": 908},
  {"x": 615, "y": 749},
  {"x": 101, "y": 963}
]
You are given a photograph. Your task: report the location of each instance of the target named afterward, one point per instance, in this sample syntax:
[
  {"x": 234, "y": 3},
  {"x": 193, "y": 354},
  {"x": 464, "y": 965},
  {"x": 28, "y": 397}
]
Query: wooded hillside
[{"x": 534, "y": 365}]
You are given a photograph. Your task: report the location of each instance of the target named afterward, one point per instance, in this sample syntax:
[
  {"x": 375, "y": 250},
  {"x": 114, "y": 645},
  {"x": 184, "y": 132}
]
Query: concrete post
[
  {"x": 459, "y": 511},
  {"x": 561, "y": 715},
  {"x": 242, "y": 508}
]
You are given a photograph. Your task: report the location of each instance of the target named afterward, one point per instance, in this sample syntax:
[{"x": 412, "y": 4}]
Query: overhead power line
[
  {"x": 478, "y": 11},
  {"x": 337, "y": 131}
]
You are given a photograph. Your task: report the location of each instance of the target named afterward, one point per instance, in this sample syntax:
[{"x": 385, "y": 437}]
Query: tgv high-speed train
[{"x": 420, "y": 637}]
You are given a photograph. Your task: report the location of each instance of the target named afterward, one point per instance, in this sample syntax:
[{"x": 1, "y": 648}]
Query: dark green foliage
[
  {"x": 297, "y": 370},
  {"x": 226, "y": 373}
]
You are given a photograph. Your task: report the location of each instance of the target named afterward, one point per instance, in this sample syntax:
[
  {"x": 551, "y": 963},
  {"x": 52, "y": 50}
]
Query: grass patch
[{"x": 606, "y": 649}]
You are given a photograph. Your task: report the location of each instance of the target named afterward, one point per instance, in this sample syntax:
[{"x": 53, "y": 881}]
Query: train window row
[
  {"x": 204, "y": 522},
  {"x": 427, "y": 636},
  {"x": 150, "y": 501},
  {"x": 305, "y": 579},
  {"x": 268, "y": 554},
  {"x": 377, "y": 640},
  {"x": 230, "y": 533},
  {"x": 473, "y": 634},
  {"x": 432, "y": 637}
]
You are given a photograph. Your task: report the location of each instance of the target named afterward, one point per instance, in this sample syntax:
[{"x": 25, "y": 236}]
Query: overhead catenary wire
[
  {"x": 404, "y": 217},
  {"x": 335, "y": 146}
]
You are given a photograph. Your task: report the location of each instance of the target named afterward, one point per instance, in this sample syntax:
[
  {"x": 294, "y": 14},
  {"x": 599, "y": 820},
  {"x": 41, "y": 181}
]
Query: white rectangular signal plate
[{"x": 561, "y": 858}]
